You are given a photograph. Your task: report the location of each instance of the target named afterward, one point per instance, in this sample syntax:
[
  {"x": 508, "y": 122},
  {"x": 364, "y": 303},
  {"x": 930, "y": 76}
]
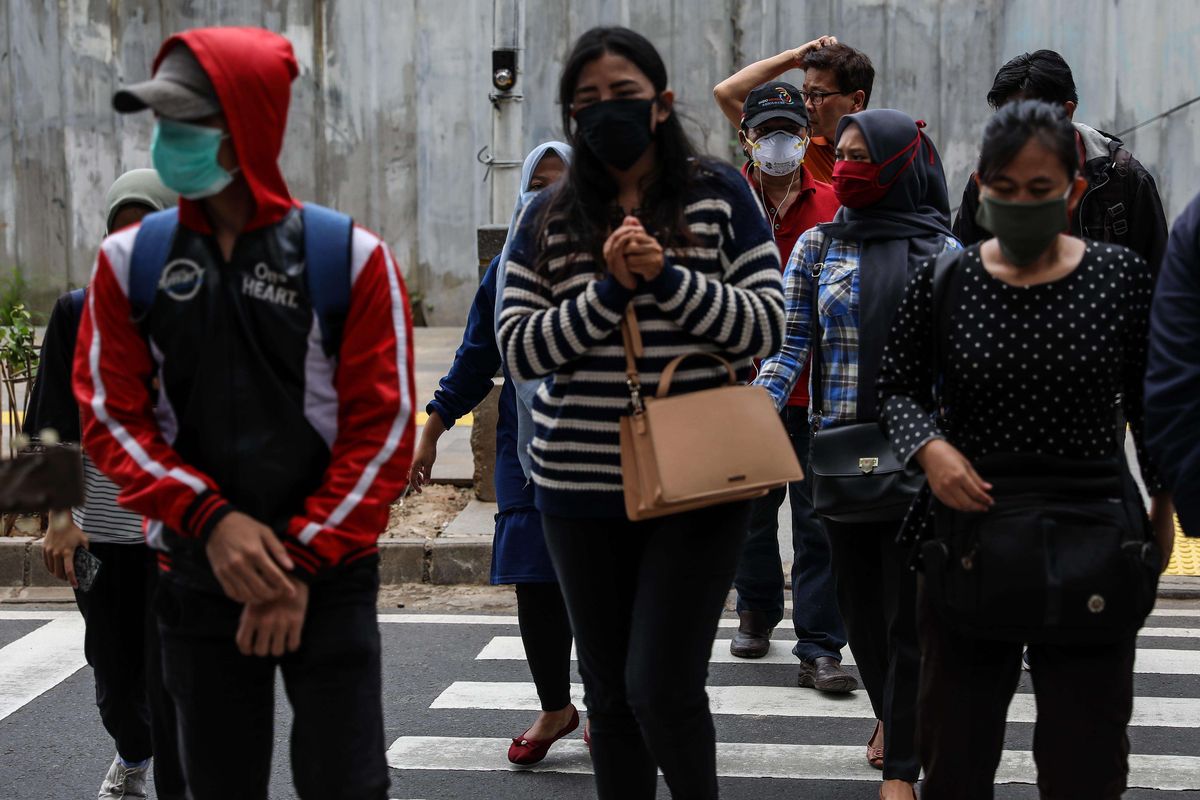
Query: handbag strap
[
  {"x": 664, "y": 383},
  {"x": 817, "y": 367},
  {"x": 631, "y": 337},
  {"x": 945, "y": 292}
]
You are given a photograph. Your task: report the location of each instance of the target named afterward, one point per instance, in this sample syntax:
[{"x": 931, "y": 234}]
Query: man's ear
[
  {"x": 1070, "y": 106},
  {"x": 664, "y": 107},
  {"x": 1079, "y": 187},
  {"x": 744, "y": 142},
  {"x": 860, "y": 100}
]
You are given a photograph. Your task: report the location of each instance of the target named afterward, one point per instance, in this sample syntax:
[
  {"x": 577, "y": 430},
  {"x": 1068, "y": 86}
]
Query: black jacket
[
  {"x": 51, "y": 401},
  {"x": 1173, "y": 370},
  {"x": 1121, "y": 204}
]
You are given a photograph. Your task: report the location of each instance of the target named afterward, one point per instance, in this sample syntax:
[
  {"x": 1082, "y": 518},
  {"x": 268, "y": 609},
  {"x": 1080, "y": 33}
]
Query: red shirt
[
  {"x": 819, "y": 159},
  {"x": 815, "y": 204}
]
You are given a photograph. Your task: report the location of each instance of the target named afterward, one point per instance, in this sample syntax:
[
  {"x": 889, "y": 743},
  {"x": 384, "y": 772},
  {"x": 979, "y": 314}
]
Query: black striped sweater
[{"x": 722, "y": 293}]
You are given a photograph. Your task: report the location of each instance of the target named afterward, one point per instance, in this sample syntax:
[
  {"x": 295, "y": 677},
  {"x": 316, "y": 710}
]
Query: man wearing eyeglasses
[
  {"x": 775, "y": 134},
  {"x": 837, "y": 81}
]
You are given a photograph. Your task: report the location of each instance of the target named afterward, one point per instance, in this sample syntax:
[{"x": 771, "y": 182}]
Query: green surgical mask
[
  {"x": 1024, "y": 230},
  {"x": 185, "y": 156}
]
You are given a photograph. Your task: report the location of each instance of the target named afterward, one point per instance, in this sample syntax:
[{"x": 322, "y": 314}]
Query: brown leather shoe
[
  {"x": 825, "y": 674},
  {"x": 753, "y": 637}
]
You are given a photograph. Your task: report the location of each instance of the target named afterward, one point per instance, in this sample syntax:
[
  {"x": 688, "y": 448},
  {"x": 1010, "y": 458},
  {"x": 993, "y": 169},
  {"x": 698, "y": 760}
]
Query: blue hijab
[{"x": 525, "y": 389}]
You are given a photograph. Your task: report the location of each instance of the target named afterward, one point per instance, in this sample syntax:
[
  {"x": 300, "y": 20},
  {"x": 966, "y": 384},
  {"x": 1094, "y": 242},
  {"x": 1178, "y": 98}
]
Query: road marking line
[
  {"x": 447, "y": 619},
  {"x": 781, "y": 701},
  {"x": 742, "y": 760},
  {"x": 36, "y": 614},
  {"x": 1154, "y": 661},
  {"x": 39, "y": 661}
]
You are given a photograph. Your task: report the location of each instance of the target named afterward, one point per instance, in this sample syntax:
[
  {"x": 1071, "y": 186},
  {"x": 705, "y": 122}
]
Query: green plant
[{"x": 18, "y": 355}]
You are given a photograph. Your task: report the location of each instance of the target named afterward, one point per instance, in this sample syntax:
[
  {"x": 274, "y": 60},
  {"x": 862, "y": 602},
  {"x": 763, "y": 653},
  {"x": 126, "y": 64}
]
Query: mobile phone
[{"x": 87, "y": 567}]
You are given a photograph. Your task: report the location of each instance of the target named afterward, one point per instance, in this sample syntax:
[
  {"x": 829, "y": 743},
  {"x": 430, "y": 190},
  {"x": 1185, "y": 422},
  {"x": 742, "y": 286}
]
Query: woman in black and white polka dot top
[{"x": 1041, "y": 338}]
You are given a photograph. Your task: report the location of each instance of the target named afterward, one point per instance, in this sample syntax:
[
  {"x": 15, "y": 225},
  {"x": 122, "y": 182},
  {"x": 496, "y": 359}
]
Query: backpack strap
[
  {"x": 151, "y": 247},
  {"x": 77, "y": 297},
  {"x": 327, "y": 241}
]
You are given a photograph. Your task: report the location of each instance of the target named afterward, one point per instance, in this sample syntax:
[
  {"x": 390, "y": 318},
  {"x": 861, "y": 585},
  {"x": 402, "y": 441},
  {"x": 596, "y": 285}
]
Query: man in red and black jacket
[
  {"x": 776, "y": 134},
  {"x": 268, "y": 454}
]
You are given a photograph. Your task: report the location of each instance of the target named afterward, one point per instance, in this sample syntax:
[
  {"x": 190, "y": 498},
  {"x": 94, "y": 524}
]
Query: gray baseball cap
[{"x": 180, "y": 89}]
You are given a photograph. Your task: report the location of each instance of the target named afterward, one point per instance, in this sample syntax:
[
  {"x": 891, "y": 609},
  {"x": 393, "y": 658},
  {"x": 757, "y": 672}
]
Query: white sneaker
[{"x": 124, "y": 783}]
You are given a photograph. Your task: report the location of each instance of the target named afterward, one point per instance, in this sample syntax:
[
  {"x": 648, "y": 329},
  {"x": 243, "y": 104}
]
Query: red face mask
[{"x": 857, "y": 184}]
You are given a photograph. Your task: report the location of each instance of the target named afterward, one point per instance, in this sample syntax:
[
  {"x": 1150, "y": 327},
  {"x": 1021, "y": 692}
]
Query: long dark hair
[
  {"x": 587, "y": 198},
  {"x": 1014, "y": 125}
]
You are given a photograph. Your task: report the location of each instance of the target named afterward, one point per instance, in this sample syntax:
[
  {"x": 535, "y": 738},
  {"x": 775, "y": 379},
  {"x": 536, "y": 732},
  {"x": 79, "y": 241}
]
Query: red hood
[{"x": 252, "y": 70}]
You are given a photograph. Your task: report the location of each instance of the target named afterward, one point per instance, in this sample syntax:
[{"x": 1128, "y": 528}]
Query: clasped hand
[
  {"x": 631, "y": 253},
  {"x": 252, "y": 566}
]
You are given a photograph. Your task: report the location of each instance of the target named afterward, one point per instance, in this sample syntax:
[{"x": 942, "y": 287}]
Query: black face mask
[{"x": 617, "y": 131}]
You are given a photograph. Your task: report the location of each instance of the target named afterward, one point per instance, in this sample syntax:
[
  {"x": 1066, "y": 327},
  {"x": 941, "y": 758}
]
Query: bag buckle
[
  {"x": 868, "y": 465},
  {"x": 635, "y": 396}
]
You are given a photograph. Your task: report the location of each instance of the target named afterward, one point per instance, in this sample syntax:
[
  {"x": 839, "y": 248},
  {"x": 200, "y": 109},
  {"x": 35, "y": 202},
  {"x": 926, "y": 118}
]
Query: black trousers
[
  {"x": 114, "y": 613},
  {"x": 121, "y": 645},
  {"x": 1084, "y": 698},
  {"x": 226, "y": 701},
  {"x": 164, "y": 728},
  {"x": 877, "y": 595},
  {"x": 546, "y": 635},
  {"x": 644, "y": 600}
]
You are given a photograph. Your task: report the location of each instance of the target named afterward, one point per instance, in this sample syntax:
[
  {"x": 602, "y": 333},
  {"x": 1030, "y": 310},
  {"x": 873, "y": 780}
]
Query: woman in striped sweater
[{"x": 640, "y": 219}]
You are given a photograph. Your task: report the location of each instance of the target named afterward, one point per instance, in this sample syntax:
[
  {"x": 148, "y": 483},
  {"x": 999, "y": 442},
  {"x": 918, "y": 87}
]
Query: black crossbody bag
[
  {"x": 853, "y": 473},
  {"x": 1066, "y": 555}
]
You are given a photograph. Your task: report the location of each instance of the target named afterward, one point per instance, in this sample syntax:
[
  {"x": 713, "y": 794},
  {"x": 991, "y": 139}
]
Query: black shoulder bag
[
  {"x": 1066, "y": 555},
  {"x": 853, "y": 473}
]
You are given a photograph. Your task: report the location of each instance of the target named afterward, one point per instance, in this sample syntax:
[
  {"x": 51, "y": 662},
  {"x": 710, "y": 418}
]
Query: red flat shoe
[
  {"x": 524, "y": 752},
  {"x": 875, "y": 752}
]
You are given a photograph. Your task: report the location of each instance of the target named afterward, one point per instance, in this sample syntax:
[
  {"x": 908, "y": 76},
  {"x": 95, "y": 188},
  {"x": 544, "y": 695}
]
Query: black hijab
[{"x": 907, "y": 227}]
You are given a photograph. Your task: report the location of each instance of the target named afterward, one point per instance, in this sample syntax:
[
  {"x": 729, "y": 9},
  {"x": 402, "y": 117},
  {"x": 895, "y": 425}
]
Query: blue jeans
[{"x": 759, "y": 581}]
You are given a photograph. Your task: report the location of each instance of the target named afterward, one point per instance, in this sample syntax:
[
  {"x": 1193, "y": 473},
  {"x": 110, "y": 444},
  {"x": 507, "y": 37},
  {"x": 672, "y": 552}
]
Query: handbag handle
[
  {"x": 631, "y": 337},
  {"x": 664, "y": 383}
]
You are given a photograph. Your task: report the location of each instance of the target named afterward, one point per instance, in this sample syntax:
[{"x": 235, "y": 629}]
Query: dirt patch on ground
[
  {"x": 448, "y": 599},
  {"x": 426, "y": 515}
]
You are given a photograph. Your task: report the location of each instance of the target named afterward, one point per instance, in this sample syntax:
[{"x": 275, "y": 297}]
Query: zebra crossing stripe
[
  {"x": 39, "y": 661},
  {"x": 743, "y": 760},
  {"x": 781, "y": 701},
  {"x": 510, "y": 648},
  {"x": 1150, "y": 661}
]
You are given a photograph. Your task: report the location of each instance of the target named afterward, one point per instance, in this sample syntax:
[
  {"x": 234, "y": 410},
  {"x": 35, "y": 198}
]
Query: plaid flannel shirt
[{"x": 837, "y": 299}]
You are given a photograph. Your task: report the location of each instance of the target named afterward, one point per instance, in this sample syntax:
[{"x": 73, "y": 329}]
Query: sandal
[{"x": 875, "y": 753}]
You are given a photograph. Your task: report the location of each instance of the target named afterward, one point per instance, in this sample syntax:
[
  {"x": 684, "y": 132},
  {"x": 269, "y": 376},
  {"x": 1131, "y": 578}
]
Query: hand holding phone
[{"x": 87, "y": 567}]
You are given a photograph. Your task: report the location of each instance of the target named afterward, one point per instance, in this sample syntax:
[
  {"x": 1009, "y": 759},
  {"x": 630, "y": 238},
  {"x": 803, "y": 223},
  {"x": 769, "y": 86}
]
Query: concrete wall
[{"x": 391, "y": 104}]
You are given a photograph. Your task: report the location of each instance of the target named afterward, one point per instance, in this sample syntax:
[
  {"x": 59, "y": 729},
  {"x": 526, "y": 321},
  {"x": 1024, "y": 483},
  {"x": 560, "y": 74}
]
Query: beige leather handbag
[{"x": 698, "y": 449}]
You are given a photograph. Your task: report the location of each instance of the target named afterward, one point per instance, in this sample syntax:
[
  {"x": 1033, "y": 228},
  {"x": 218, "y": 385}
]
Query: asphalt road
[{"x": 456, "y": 690}]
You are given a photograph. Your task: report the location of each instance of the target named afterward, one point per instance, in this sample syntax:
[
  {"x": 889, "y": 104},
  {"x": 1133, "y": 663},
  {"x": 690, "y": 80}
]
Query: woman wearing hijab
[
  {"x": 894, "y": 217},
  {"x": 519, "y": 554},
  {"x": 120, "y": 639}
]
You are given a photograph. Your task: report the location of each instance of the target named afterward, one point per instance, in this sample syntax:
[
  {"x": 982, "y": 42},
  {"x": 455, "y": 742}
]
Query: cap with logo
[
  {"x": 775, "y": 100},
  {"x": 180, "y": 89}
]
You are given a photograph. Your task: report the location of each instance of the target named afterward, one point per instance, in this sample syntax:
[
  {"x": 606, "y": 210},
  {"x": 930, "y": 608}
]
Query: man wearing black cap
[
  {"x": 278, "y": 339},
  {"x": 774, "y": 132}
]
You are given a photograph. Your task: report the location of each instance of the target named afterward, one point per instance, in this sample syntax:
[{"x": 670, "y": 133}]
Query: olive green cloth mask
[{"x": 1024, "y": 230}]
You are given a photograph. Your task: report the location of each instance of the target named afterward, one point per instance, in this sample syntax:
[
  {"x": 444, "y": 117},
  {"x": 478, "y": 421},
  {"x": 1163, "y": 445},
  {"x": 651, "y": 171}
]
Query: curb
[
  {"x": 448, "y": 560},
  {"x": 460, "y": 560}
]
